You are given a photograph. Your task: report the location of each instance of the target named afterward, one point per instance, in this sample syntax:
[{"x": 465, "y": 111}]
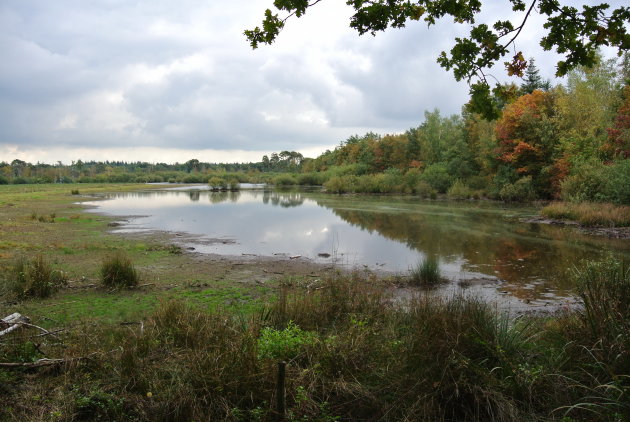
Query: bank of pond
[{"x": 351, "y": 353}]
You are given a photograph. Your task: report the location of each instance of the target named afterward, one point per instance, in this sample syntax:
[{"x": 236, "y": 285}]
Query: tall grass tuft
[
  {"x": 604, "y": 288},
  {"x": 33, "y": 278},
  {"x": 118, "y": 271},
  {"x": 602, "y": 345},
  {"x": 426, "y": 272}
]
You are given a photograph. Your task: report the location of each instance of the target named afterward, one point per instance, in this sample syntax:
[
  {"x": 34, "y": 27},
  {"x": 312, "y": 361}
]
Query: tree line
[{"x": 570, "y": 141}]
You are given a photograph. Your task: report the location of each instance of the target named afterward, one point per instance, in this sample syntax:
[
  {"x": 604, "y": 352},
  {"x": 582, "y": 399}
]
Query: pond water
[{"x": 476, "y": 242}]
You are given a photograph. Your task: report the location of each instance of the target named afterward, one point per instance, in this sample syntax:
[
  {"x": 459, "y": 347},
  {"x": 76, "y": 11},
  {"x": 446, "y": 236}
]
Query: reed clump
[
  {"x": 426, "y": 273},
  {"x": 118, "y": 271},
  {"x": 33, "y": 278}
]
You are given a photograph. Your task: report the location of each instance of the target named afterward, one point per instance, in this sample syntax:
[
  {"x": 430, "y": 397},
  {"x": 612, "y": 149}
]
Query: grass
[
  {"x": 197, "y": 345},
  {"x": 589, "y": 214},
  {"x": 118, "y": 271},
  {"x": 354, "y": 355},
  {"x": 426, "y": 273},
  {"x": 28, "y": 278}
]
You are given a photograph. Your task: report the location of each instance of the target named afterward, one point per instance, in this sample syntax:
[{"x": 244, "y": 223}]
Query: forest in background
[{"x": 570, "y": 142}]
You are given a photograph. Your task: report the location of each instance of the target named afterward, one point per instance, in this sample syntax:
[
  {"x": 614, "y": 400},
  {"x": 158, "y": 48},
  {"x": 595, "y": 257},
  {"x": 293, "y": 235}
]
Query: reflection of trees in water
[
  {"x": 223, "y": 196},
  {"x": 283, "y": 199},
  {"x": 514, "y": 252},
  {"x": 194, "y": 195}
]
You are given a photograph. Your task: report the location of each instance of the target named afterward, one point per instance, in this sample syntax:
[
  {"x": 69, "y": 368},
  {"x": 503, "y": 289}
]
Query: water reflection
[{"x": 471, "y": 239}]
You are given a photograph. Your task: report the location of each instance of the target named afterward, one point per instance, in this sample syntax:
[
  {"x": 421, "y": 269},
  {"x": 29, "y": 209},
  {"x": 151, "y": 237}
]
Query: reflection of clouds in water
[{"x": 469, "y": 239}]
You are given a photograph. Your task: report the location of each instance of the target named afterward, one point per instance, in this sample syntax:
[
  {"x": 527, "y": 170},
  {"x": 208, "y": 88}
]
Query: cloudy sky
[{"x": 164, "y": 80}]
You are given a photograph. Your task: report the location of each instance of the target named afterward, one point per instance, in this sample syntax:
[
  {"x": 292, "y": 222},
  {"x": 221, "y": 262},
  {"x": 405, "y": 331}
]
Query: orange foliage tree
[{"x": 526, "y": 136}]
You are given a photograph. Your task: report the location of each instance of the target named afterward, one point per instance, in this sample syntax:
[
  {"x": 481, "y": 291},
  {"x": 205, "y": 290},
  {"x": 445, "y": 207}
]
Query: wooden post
[{"x": 281, "y": 405}]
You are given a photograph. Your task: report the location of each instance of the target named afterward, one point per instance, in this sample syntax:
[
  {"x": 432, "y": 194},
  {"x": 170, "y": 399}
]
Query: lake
[{"x": 482, "y": 242}]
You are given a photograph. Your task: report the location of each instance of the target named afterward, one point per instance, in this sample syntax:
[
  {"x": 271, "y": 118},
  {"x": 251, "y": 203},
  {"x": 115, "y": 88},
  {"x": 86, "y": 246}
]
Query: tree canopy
[{"x": 575, "y": 34}]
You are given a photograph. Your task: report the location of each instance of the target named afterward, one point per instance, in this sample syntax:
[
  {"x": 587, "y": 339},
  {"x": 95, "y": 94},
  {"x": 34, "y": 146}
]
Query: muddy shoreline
[{"x": 609, "y": 232}]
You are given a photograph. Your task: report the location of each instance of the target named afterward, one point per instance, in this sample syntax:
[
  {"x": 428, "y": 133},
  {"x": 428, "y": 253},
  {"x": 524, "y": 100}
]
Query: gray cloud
[{"x": 159, "y": 74}]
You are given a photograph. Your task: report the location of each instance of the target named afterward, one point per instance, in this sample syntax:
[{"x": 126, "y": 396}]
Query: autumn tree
[{"x": 527, "y": 138}]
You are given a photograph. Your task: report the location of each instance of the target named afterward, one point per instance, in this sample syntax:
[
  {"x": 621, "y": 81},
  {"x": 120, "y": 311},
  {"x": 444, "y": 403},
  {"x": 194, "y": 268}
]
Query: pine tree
[{"x": 532, "y": 79}]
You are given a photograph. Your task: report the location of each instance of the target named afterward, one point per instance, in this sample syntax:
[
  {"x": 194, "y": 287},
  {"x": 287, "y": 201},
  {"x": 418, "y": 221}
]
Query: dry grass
[{"x": 589, "y": 213}]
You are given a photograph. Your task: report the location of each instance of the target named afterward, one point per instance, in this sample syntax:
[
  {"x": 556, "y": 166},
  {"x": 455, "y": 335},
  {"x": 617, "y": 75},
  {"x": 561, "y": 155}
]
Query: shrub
[
  {"x": 217, "y": 183},
  {"x": 586, "y": 182},
  {"x": 424, "y": 190},
  {"x": 310, "y": 179},
  {"x": 341, "y": 184},
  {"x": 617, "y": 189},
  {"x": 194, "y": 178},
  {"x": 74, "y": 192},
  {"x": 118, "y": 271},
  {"x": 284, "y": 344},
  {"x": 233, "y": 183},
  {"x": 20, "y": 181},
  {"x": 437, "y": 176},
  {"x": 459, "y": 190},
  {"x": 284, "y": 180},
  {"x": 477, "y": 182},
  {"x": 33, "y": 278},
  {"x": 427, "y": 272},
  {"x": 521, "y": 191}
]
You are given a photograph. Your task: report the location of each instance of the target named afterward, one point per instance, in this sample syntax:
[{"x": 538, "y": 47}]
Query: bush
[
  {"x": 617, "y": 189},
  {"x": 284, "y": 344},
  {"x": 194, "y": 178},
  {"x": 33, "y": 278},
  {"x": 310, "y": 179},
  {"x": 586, "y": 182},
  {"x": 341, "y": 184},
  {"x": 118, "y": 271},
  {"x": 459, "y": 190},
  {"x": 521, "y": 191},
  {"x": 284, "y": 180},
  {"x": 437, "y": 176},
  {"x": 424, "y": 190},
  {"x": 20, "y": 181},
  {"x": 217, "y": 183},
  {"x": 426, "y": 273}
]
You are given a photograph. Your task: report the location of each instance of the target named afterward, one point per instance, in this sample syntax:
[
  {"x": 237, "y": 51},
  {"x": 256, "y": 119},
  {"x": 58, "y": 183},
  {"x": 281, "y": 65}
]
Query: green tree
[
  {"x": 532, "y": 79},
  {"x": 575, "y": 34},
  {"x": 586, "y": 108}
]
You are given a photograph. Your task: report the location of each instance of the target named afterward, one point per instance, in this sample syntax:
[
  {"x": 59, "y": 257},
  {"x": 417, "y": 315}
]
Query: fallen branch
[
  {"x": 50, "y": 333},
  {"x": 48, "y": 362},
  {"x": 14, "y": 321}
]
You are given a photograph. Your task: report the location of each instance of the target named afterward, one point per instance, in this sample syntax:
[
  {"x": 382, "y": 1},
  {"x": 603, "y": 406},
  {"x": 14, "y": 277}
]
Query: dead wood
[{"x": 12, "y": 322}]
